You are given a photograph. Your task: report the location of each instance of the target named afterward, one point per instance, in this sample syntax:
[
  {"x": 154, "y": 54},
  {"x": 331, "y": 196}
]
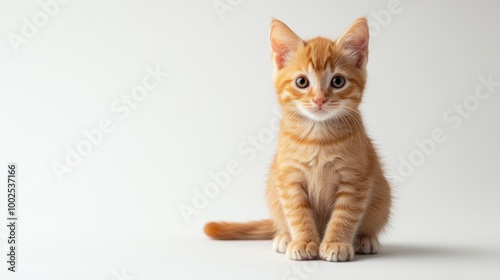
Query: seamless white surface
[{"x": 431, "y": 107}]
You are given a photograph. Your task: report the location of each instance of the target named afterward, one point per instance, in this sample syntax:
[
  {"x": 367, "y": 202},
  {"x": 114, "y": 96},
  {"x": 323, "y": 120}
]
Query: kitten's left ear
[
  {"x": 355, "y": 40},
  {"x": 284, "y": 43}
]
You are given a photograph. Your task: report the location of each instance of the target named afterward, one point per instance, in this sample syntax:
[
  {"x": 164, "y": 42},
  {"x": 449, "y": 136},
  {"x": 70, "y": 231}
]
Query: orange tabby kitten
[{"x": 326, "y": 190}]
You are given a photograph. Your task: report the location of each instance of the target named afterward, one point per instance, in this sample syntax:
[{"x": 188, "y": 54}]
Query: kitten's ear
[
  {"x": 355, "y": 39},
  {"x": 284, "y": 43}
]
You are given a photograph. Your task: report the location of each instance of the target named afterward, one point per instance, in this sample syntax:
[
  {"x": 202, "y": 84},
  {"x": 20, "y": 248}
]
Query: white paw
[
  {"x": 336, "y": 252},
  {"x": 366, "y": 245},
  {"x": 280, "y": 243},
  {"x": 300, "y": 250}
]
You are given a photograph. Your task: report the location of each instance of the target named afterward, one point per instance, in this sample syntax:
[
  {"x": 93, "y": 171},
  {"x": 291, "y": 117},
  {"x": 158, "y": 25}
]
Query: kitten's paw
[
  {"x": 280, "y": 242},
  {"x": 336, "y": 252},
  {"x": 366, "y": 245},
  {"x": 300, "y": 250}
]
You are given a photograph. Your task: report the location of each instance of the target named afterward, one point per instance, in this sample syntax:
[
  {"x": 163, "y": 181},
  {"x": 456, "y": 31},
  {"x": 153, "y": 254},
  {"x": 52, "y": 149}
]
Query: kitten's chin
[{"x": 318, "y": 115}]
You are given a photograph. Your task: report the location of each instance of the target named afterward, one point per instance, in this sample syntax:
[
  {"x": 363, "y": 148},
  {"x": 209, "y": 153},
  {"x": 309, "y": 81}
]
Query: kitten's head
[{"x": 320, "y": 79}]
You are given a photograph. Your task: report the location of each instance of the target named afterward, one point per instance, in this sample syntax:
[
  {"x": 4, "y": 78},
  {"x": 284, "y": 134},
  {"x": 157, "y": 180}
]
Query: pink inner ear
[
  {"x": 280, "y": 51},
  {"x": 283, "y": 42},
  {"x": 358, "y": 44},
  {"x": 359, "y": 47},
  {"x": 356, "y": 40},
  {"x": 281, "y": 57}
]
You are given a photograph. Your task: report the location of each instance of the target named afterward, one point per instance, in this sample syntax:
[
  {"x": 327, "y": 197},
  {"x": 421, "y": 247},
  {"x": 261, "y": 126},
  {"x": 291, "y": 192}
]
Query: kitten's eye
[
  {"x": 338, "y": 82},
  {"x": 302, "y": 82}
]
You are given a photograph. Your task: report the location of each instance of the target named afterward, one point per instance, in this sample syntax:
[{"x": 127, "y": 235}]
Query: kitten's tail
[{"x": 263, "y": 229}]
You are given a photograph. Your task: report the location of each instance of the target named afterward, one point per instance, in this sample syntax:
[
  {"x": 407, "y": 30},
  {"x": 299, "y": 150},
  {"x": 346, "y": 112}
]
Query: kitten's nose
[{"x": 319, "y": 100}]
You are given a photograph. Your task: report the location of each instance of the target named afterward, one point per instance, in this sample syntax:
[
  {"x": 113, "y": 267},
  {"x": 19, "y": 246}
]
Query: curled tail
[{"x": 263, "y": 229}]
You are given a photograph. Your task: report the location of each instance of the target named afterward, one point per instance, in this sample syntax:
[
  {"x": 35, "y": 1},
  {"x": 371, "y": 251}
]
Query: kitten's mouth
[{"x": 317, "y": 113}]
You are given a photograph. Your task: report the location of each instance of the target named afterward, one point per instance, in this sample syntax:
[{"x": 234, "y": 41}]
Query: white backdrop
[{"x": 124, "y": 116}]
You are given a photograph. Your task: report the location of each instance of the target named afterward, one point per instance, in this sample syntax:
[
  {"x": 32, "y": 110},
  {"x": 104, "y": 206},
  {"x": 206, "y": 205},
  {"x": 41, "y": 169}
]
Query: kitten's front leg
[
  {"x": 299, "y": 216},
  {"x": 350, "y": 204}
]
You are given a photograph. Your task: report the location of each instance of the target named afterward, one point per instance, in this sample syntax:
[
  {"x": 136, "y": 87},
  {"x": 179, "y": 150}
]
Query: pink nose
[{"x": 319, "y": 100}]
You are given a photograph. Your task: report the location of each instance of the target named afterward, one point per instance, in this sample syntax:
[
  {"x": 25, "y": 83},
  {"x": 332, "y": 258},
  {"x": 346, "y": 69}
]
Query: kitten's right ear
[
  {"x": 355, "y": 39},
  {"x": 284, "y": 43}
]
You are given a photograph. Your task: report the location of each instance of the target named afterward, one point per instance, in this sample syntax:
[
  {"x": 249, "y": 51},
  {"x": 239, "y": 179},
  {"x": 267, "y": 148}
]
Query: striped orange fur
[{"x": 326, "y": 191}]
